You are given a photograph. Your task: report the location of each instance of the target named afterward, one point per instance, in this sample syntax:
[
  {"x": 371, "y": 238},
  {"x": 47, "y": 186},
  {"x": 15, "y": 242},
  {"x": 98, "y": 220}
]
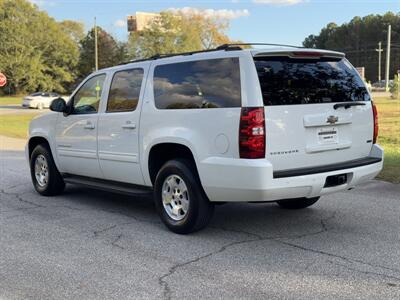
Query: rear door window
[
  {"x": 212, "y": 83},
  {"x": 125, "y": 90},
  {"x": 286, "y": 81}
]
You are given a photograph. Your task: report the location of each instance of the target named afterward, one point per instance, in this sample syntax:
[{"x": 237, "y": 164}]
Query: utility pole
[
  {"x": 388, "y": 58},
  {"x": 96, "y": 58},
  {"x": 398, "y": 84},
  {"x": 379, "y": 58}
]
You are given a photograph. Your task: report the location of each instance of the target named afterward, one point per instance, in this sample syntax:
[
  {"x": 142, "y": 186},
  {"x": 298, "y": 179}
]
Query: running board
[{"x": 109, "y": 186}]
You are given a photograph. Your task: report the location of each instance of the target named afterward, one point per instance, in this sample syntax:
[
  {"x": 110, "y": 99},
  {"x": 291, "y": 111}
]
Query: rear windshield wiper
[{"x": 347, "y": 105}]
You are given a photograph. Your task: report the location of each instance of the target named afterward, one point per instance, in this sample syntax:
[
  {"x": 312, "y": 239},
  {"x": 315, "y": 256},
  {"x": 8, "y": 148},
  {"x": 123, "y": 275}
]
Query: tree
[
  {"x": 36, "y": 54},
  {"x": 359, "y": 38},
  {"x": 75, "y": 30},
  {"x": 320, "y": 40},
  {"x": 394, "y": 88},
  {"x": 110, "y": 52},
  {"x": 178, "y": 32}
]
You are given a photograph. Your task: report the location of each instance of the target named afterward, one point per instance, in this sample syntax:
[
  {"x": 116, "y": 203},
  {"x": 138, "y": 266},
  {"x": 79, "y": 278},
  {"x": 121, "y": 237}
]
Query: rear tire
[
  {"x": 179, "y": 198},
  {"x": 297, "y": 203},
  {"x": 45, "y": 177}
]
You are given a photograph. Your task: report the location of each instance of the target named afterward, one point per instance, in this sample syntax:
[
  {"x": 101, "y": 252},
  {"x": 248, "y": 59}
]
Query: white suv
[{"x": 225, "y": 125}]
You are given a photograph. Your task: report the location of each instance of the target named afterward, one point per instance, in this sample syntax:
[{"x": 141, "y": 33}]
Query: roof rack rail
[
  {"x": 224, "y": 47},
  {"x": 165, "y": 55},
  {"x": 186, "y": 53},
  {"x": 236, "y": 46},
  {"x": 138, "y": 60}
]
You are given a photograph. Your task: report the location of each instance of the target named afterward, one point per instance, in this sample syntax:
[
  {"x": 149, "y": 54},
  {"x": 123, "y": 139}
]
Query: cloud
[
  {"x": 279, "y": 2},
  {"x": 120, "y": 23},
  {"x": 213, "y": 13},
  {"x": 42, "y": 3}
]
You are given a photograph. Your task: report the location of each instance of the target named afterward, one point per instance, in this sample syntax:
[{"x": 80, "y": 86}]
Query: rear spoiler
[{"x": 313, "y": 54}]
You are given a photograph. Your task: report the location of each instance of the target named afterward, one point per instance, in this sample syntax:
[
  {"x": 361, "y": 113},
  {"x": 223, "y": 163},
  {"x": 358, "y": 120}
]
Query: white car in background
[{"x": 39, "y": 100}]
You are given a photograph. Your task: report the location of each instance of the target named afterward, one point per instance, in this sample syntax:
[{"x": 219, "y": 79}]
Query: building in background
[
  {"x": 361, "y": 71},
  {"x": 140, "y": 21}
]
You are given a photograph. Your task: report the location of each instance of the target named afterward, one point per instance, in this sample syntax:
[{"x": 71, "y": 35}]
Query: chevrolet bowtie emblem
[{"x": 332, "y": 119}]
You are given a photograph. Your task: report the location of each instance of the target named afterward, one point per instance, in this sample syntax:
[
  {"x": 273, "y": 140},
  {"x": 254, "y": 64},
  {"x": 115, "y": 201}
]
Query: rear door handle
[
  {"x": 129, "y": 125},
  {"x": 89, "y": 125}
]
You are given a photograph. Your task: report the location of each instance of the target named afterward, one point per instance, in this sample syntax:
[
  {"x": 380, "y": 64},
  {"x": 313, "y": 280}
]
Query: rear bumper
[{"x": 242, "y": 180}]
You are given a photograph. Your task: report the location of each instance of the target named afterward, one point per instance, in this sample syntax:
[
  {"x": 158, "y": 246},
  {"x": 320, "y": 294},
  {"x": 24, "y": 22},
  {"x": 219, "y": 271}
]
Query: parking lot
[{"x": 89, "y": 244}]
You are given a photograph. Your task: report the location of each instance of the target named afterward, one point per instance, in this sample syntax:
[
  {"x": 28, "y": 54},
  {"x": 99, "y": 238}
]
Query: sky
[{"x": 268, "y": 21}]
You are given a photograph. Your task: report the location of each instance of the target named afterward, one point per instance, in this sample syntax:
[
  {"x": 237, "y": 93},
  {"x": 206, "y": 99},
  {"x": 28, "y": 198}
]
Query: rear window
[
  {"x": 210, "y": 83},
  {"x": 286, "y": 81}
]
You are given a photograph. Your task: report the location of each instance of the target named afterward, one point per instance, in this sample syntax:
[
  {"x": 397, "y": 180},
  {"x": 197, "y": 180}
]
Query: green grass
[
  {"x": 389, "y": 137},
  {"x": 389, "y": 132},
  {"x": 10, "y": 100},
  {"x": 16, "y": 125}
]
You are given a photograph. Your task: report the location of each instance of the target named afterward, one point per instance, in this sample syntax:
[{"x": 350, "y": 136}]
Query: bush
[{"x": 394, "y": 88}]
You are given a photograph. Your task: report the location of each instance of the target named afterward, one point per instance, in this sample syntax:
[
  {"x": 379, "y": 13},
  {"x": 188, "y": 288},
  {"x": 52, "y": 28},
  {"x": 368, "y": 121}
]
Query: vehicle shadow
[{"x": 262, "y": 219}]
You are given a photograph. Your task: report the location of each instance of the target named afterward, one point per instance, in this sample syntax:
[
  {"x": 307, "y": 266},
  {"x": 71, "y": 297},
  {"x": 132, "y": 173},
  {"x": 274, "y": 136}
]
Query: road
[
  {"x": 87, "y": 244},
  {"x": 17, "y": 109}
]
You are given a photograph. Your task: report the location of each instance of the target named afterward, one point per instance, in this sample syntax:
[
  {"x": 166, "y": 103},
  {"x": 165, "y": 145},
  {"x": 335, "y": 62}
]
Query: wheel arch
[
  {"x": 162, "y": 152},
  {"x": 37, "y": 140}
]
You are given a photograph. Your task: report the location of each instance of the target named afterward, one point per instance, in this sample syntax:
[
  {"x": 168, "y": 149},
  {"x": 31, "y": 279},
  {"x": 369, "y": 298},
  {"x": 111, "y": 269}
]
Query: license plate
[{"x": 328, "y": 135}]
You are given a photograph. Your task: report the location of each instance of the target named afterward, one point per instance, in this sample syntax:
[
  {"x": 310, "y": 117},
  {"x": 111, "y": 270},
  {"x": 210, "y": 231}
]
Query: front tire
[
  {"x": 45, "y": 177},
  {"x": 298, "y": 203},
  {"x": 179, "y": 198}
]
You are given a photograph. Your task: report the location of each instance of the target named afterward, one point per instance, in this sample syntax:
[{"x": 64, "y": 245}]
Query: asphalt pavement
[
  {"x": 19, "y": 110},
  {"x": 87, "y": 244}
]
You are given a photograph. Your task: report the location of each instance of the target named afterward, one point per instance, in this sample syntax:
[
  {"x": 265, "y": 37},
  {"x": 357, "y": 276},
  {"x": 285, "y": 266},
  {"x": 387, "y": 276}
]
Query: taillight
[
  {"x": 252, "y": 133},
  {"x": 376, "y": 127}
]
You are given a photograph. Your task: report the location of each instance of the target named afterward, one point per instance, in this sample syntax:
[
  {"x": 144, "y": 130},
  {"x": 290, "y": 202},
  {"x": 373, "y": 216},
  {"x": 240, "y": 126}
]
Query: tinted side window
[
  {"x": 87, "y": 99},
  {"x": 210, "y": 83},
  {"x": 125, "y": 90},
  {"x": 286, "y": 81}
]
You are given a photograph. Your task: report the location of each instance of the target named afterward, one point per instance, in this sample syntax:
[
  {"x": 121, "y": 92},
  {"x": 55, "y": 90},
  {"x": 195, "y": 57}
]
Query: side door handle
[
  {"x": 89, "y": 125},
  {"x": 129, "y": 125}
]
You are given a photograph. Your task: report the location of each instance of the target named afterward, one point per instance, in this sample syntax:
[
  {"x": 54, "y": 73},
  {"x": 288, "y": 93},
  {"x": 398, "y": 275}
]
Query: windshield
[{"x": 288, "y": 81}]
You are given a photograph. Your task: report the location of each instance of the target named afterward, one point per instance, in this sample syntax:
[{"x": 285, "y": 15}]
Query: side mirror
[{"x": 58, "y": 105}]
